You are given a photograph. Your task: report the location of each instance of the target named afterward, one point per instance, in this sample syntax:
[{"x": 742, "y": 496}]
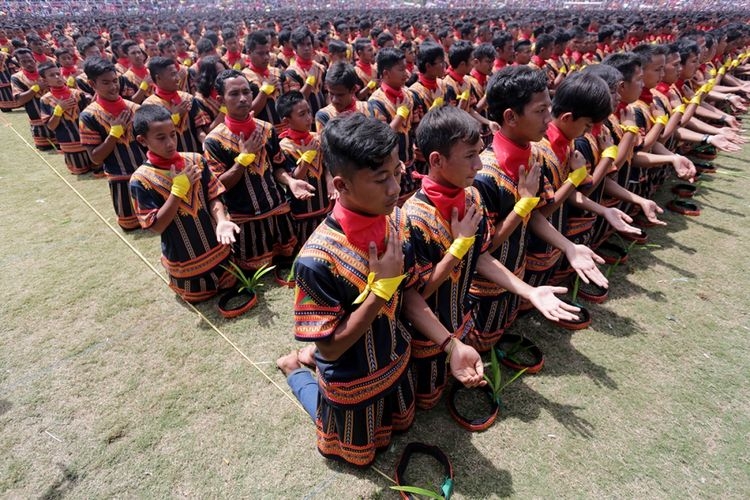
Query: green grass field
[{"x": 110, "y": 386}]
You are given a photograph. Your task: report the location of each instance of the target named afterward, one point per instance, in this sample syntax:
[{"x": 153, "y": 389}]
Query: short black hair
[
  {"x": 484, "y": 51},
  {"x": 84, "y": 43},
  {"x": 543, "y": 41},
  {"x": 225, "y": 75},
  {"x": 686, "y": 47},
  {"x": 158, "y": 64},
  {"x": 441, "y": 128},
  {"x": 299, "y": 35},
  {"x": 204, "y": 46},
  {"x": 96, "y": 67},
  {"x": 460, "y": 52},
  {"x": 583, "y": 95},
  {"x": 336, "y": 47},
  {"x": 647, "y": 51},
  {"x": 513, "y": 87},
  {"x": 148, "y": 114},
  {"x": 360, "y": 44},
  {"x": 388, "y": 58},
  {"x": 609, "y": 74},
  {"x": 286, "y": 102},
  {"x": 354, "y": 142},
  {"x": 499, "y": 40},
  {"x": 342, "y": 73},
  {"x": 521, "y": 43},
  {"x": 207, "y": 74},
  {"x": 126, "y": 45},
  {"x": 45, "y": 66},
  {"x": 429, "y": 52},
  {"x": 625, "y": 63},
  {"x": 254, "y": 39}
]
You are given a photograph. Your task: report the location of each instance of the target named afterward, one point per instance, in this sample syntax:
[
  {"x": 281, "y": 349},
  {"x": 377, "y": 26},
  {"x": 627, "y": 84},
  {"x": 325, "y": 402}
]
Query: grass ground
[{"x": 109, "y": 386}]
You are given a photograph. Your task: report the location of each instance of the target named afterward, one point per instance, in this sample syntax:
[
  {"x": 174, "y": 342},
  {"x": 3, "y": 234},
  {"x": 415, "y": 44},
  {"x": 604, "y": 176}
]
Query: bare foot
[
  {"x": 288, "y": 363},
  {"x": 306, "y": 355}
]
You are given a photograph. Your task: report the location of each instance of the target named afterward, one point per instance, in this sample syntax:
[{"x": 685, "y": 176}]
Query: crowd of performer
[{"x": 429, "y": 182}]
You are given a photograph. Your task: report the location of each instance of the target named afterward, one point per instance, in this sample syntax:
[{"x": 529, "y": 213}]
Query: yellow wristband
[
  {"x": 610, "y": 152},
  {"x": 663, "y": 120},
  {"x": 223, "y": 109},
  {"x": 712, "y": 72},
  {"x": 188, "y": 62},
  {"x": 383, "y": 288},
  {"x": 563, "y": 70},
  {"x": 245, "y": 159},
  {"x": 116, "y": 131},
  {"x": 464, "y": 96},
  {"x": 633, "y": 129},
  {"x": 403, "y": 112},
  {"x": 679, "y": 109},
  {"x": 461, "y": 245},
  {"x": 438, "y": 102},
  {"x": 577, "y": 176},
  {"x": 71, "y": 82},
  {"x": 311, "y": 80},
  {"x": 372, "y": 84},
  {"x": 267, "y": 88},
  {"x": 236, "y": 66},
  {"x": 181, "y": 186},
  {"x": 722, "y": 71},
  {"x": 524, "y": 206},
  {"x": 695, "y": 100},
  {"x": 59, "y": 111},
  {"x": 35, "y": 88},
  {"x": 143, "y": 86},
  {"x": 176, "y": 118}
]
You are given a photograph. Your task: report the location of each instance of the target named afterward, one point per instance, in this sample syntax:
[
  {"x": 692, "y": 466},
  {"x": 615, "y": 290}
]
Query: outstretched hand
[{"x": 466, "y": 365}]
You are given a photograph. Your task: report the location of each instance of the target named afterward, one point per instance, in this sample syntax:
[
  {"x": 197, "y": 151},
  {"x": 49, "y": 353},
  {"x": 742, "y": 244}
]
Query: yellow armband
[
  {"x": 524, "y": 206},
  {"x": 311, "y": 80},
  {"x": 176, "y": 118},
  {"x": 633, "y": 129},
  {"x": 237, "y": 66},
  {"x": 610, "y": 152},
  {"x": 695, "y": 100},
  {"x": 267, "y": 88},
  {"x": 245, "y": 159},
  {"x": 465, "y": 95},
  {"x": 383, "y": 288},
  {"x": 180, "y": 186},
  {"x": 722, "y": 71},
  {"x": 679, "y": 109},
  {"x": 71, "y": 82},
  {"x": 663, "y": 120},
  {"x": 712, "y": 71},
  {"x": 143, "y": 86},
  {"x": 372, "y": 84},
  {"x": 403, "y": 112},
  {"x": 307, "y": 156},
  {"x": 35, "y": 88},
  {"x": 188, "y": 62},
  {"x": 223, "y": 109},
  {"x": 438, "y": 102},
  {"x": 116, "y": 131},
  {"x": 461, "y": 245},
  {"x": 563, "y": 70},
  {"x": 59, "y": 111},
  {"x": 577, "y": 176}
]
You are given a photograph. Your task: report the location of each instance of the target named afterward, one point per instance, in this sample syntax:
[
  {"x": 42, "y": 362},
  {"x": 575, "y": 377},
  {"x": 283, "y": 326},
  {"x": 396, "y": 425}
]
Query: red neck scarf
[
  {"x": 170, "y": 97},
  {"x": 646, "y": 96},
  {"x": 60, "y": 93},
  {"x": 559, "y": 143},
  {"x": 124, "y": 62},
  {"x": 67, "y": 71},
  {"x": 621, "y": 108},
  {"x": 233, "y": 57},
  {"x": 360, "y": 229},
  {"x": 537, "y": 60},
  {"x": 679, "y": 84},
  {"x": 213, "y": 94},
  {"x": 39, "y": 58},
  {"x": 260, "y": 71},
  {"x": 304, "y": 65},
  {"x": 177, "y": 161},
  {"x": 445, "y": 197},
  {"x": 394, "y": 95},
  {"x": 366, "y": 67},
  {"x": 3, "y": 41},
  {"x": 499, "y": 64},
  {"x": 510, "y": 156},
  {"x": 410, "y": 67},
  {"x": 296, "y": 136},
  {"x": 455, "y": 76},
  {"x": 352, "y": 107},
  {"x": 481, "y": 77},
  {"x": 662, "y": 87},
  {"x": 139, "y": 72},
  {"x": 31, "y": 76},
  {"x": 430, "y": 84},
  {"x": 113, "y": 108},
  {"x": 596, "y": 129},
  {"x": 287, "y": 52},
  {"x": 245, "y": 127}
]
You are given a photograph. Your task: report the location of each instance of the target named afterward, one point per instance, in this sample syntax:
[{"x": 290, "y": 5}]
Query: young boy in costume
[
  {"x": 265, "y": 78},
  {"x": 450, "y": 234},
  {"x": 366, "y": 72},
  {"x": 341, "y": 86},
  {"x": 311, "y": 200},
  {"x": 106, "y": 128},
  {"x": 355, "y": 282},
  {"x": 60, "y": 108},
  {"x": 177, "y": 196},
  {"x": 245, "y": 154},
  {"x": 394, "y": 106},
  {"x": 138, "y": 84},
  {"x": 187, "y": 114},
  {"x": 304, "y": 74},
  {"x": 28, "y": 88}
]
